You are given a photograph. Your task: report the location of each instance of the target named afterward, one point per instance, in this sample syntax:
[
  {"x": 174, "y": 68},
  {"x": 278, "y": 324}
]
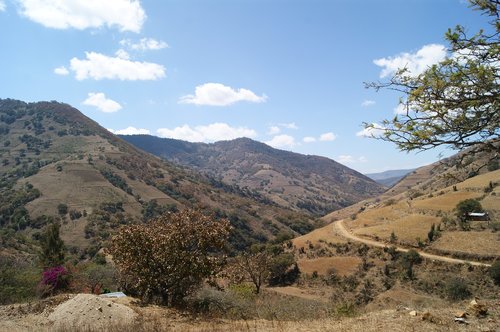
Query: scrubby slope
[{"x": 310, "y": 184}]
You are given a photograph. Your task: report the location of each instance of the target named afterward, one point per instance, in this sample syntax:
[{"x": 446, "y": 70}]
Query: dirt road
[{"x": 341, "y": 230}]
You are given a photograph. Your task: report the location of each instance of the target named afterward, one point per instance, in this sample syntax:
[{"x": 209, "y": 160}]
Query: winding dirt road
[{"x": 341, "y": 230}]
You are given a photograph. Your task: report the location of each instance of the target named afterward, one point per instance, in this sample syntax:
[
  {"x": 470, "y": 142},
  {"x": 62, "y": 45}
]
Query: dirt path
[{"x": 341, "y": 230}]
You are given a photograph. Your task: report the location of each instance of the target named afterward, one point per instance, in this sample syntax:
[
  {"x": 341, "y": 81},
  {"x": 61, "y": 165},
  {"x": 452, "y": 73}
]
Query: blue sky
[{"x": 287, "y": 73}]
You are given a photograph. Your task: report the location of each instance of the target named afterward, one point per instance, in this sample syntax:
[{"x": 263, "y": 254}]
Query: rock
[
  {"x": 99, "y": 309},
  {"x": 413, "y": 313},
  {"x": 461, "y": 314},
  {"x": 461, "y": 321},
  {"x": 477, "y": 309}
]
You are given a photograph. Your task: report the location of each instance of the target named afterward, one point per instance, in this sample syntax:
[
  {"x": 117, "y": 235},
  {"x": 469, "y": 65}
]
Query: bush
[
  {"x": 168, "y": 258},
  {"x": 495, "y": 272},
  {"x": 54, "y": 279},
  {"x": 457, "y": 289}
]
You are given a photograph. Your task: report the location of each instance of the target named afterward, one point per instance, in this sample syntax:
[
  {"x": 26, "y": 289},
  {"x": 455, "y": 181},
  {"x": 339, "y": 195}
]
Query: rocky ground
[{"x": 85, "y": 312}]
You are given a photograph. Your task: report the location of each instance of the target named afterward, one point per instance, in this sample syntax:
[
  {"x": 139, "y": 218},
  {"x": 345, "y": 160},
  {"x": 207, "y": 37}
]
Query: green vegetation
[
  {"x": 52, "y": 246},
  {"x": 467, "y": 206}
]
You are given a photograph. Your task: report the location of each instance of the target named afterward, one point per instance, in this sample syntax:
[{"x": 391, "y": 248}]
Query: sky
[{"x": 286, "y": 73}]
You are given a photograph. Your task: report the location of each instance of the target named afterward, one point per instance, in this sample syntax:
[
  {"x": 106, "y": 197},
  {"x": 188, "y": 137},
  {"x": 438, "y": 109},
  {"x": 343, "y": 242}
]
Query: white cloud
[
  {"x": 61, "y": 71},
  {"x": 282, "y": 142},
  {"x": 122, "y": 54},
  {"x": 274, "y": 130},
  {"x": 130, "y": 131},
  {"x": 2, "y": 6},
  {"x": 348, "y": 159},
  {"x": 401, "y": 109},
  {"x": 375, "y": 131},
  {"x": 126, "y": 15},
  {"x": 326, "y": 137},
  {"x": 210, "y": 133},
  {"x": 416, "y": 63},
  {"x": 216, "y": 94},
  {"x": 368, "y": 103},
  {"x": 99, "y": 66},
  {"x": 290, "y": 125},
  {"x": 309, "y": 139},
  {"x": 144, "y": 44},
  {"x": 102, "y": 103}
]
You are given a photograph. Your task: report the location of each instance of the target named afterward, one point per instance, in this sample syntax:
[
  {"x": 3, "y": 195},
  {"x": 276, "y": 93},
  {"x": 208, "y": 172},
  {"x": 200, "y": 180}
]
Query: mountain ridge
[{"x": 306, "y": 183}]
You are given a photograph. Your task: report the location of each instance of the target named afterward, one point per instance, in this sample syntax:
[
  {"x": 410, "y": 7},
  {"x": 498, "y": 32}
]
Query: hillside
[
  {"x": 58, "y": 164},
  {"x": 310, "y": 184}
]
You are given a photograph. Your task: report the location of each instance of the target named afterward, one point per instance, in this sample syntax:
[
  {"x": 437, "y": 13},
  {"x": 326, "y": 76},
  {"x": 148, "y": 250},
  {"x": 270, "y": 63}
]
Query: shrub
[
  {"x": 495, "y": 272},
  {"x": 457, "y": 289},
  {"x": 168, "y": 258},
  {"x": 467, "y": 206},
  {"x": 53, "y": 279}
]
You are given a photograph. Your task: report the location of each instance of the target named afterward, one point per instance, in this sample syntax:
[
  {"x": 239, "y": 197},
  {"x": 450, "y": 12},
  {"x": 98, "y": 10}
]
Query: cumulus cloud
[
  {"x": 126, "y": 15},
  {"x": 327, "y": 137},
  {"x": 416, "y": 63},
  {"x": 209, "y": 133},
  {"x": 368, "y": 103},
  {"x": 130, "y": 131},
  {"x": 61, "y": 71},
  {"x": 282, "y": 142},
  {"x": 2, "y": 6},
  {"x": 274, "y": 130},
  {"x": 309, "y": 139},
  {"x": 102, "y": 103},
  {"x": 99, "y": 66},
  {"x": 216, "y": 94},
  {"x": 290, "y": 125},
  {"x": 348, "y": 159},
  {"x": 144, "y": 44},
  {"x": 375, "y": 131}
]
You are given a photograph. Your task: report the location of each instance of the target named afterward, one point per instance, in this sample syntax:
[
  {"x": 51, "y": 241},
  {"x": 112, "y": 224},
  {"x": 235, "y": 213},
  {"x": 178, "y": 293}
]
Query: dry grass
[
  {"x": 326, "y": 233},
  {"x": 482, "y": 243},
  {"x": 407, "y": 229},
  {"x": 446, "y": 202},
  {"x": 343, "y": 265}
]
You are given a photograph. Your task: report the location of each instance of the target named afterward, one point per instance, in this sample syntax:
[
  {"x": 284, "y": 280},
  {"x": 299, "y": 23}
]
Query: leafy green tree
[
  {"x": 168, "y": 258},
  {"x": 454, "y": 103},
  {"x": 52, "y": 246},
  {"x": 467, "y": 206}
]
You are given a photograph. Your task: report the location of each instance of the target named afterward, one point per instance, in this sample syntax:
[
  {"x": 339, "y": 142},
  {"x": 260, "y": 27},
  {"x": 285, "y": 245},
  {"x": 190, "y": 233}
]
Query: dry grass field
[
  {"x": 482, "y": 243},
  {"x": 342, "y": 265},
  {"x": 325, "y": 233}
]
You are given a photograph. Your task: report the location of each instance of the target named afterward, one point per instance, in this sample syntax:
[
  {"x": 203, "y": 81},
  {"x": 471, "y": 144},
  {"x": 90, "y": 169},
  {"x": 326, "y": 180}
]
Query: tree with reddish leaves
[{"x": 169, "y": 257}]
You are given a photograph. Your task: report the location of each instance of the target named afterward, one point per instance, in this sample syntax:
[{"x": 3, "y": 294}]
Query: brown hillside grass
[
  {"x": 482, "y": 243},
  {"x": 325, "y": 233},
  {"x": 342, "y": 265},
  {"x": 407, "y": 229}
]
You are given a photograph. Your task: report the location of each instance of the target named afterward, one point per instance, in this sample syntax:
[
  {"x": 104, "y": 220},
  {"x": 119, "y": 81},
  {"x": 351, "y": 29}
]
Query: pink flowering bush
[{"x": 53, "y": 279}]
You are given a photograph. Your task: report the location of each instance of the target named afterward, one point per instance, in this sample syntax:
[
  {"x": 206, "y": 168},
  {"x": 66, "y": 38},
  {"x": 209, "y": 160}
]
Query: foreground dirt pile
[{"x": 86, "y": 310}]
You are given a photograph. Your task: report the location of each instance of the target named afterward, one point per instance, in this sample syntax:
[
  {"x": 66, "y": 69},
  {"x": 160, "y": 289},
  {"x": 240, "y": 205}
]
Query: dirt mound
[{"x": 92, "y": 312}]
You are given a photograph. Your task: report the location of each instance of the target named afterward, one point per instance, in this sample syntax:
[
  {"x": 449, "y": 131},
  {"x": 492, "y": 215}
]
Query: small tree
[
  {"x": 168, "y": 258},
  {"x": 467, "y": 206},
  {"x": 62, "y": 209},
  {"x": 52, "y": 247}
]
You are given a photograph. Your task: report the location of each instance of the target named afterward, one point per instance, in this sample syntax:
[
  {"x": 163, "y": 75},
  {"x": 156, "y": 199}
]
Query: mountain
[
  {"x": 389, "y": 178},
  {"x": 55, "y": 163},
  {"x": 310, "y": 184}
]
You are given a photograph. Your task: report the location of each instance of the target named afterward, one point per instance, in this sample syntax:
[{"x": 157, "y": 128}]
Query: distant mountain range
[
  {"x": 310, "y": 184},
  {"x": 389, "y": 178}
]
